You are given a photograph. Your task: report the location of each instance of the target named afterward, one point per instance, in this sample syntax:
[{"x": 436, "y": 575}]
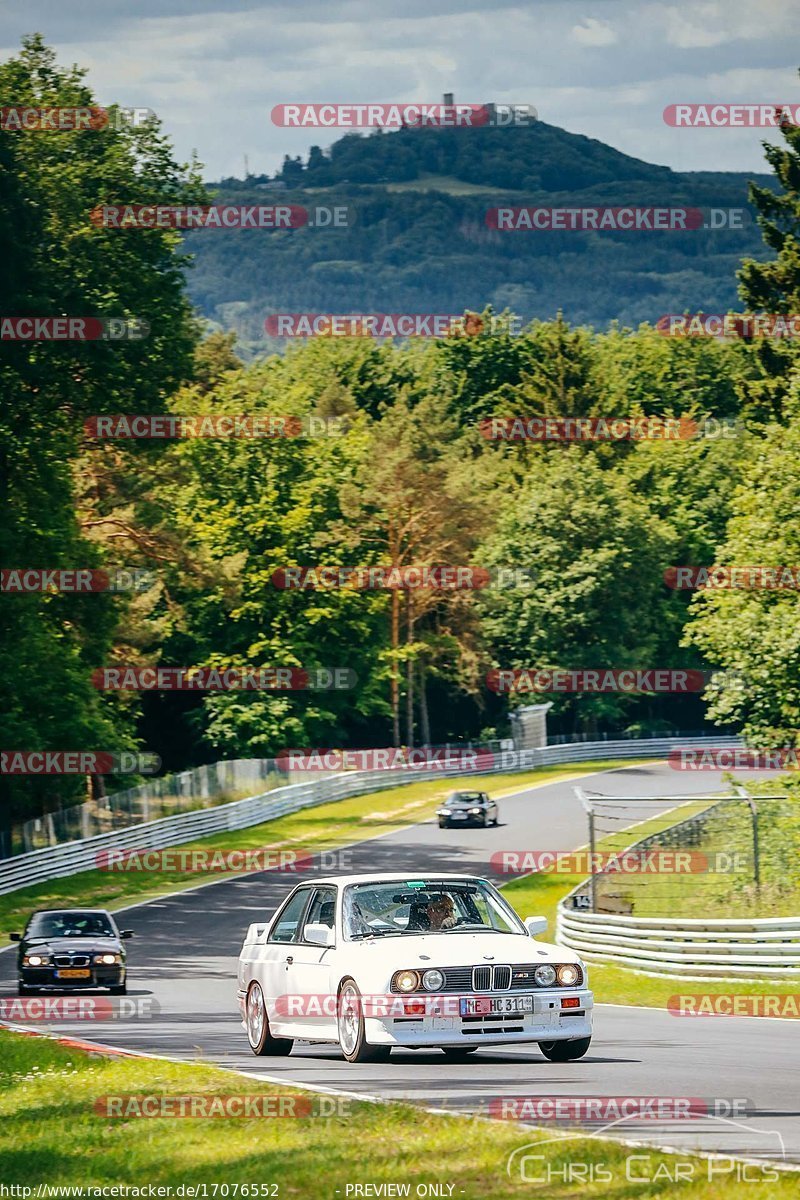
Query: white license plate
[
  {"x": 479, "y": 1006},
  {"x": 458, "y": 816}
]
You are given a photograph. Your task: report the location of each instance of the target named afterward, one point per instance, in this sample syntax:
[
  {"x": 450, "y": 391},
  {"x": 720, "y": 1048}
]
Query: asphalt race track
[{"x": 186, "y": 946}]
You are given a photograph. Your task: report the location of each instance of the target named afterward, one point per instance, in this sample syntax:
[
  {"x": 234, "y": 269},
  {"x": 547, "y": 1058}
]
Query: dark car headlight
[
  {"x": 107, "y": 959},
  {"x": 36, "y": 960}
]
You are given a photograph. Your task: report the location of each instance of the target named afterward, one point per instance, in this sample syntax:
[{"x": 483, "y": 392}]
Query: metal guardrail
[
  {"x": 764, "y": 947},
  {"x": 70, "y": 858},
  {"x": 689, "y": 947}
]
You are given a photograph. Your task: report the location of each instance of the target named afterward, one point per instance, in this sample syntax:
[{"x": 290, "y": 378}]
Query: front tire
[
  {"x": 261, "y": 1040},
  {"x": 565, "y": 1051},
  {"x": 442, "y": 824},
  {"x": 119, "y": 989},
  {"x": 351, "y": 1027},
  {"x": 458, "y": 1052}
]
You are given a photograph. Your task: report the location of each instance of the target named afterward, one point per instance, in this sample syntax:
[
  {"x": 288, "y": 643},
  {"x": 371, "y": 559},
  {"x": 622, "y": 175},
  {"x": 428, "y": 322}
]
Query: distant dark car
[
  {"x": 468, "y": 808},
  {"x": 65, "y": 949}
]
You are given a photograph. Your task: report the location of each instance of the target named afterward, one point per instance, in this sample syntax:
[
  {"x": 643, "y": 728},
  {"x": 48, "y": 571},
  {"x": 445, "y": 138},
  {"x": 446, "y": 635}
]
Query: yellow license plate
[{"x": 73, "y": 974}]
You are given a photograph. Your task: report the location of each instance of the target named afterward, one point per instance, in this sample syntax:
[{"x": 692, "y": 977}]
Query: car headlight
[
  {"x": 36, "y": 960},
  {"x": 475, "y": 812},
  {"x": 433, "y": 981},
  {"x": 568, "y": 974},
  {"x": 107, "y": 959},
  {"x": 545, "y": 975},
  {"x": 406, "y": 981}
]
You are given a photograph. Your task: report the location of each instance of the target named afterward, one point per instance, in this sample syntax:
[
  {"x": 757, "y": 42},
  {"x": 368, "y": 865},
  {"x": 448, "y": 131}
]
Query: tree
[
  {"x": 754, "y": 632},
  {"x": 595, "y": 554},
  {"x": 64, "y": 265},
  {"x": 410, "y": 509},
  {"x": 774, "y": 286}
]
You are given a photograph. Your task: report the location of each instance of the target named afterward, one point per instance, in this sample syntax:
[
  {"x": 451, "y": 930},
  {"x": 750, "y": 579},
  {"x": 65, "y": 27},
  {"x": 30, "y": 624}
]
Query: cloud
[
  {"x": 594, "y": 33},
  {"x": 214, "y": 69}
]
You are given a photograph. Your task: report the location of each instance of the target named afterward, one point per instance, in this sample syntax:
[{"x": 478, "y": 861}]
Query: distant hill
[{"x": 421, "y": 242}]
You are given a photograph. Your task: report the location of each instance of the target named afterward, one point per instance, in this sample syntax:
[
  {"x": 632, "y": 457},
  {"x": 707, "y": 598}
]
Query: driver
[{"x": 440, "y": 912}]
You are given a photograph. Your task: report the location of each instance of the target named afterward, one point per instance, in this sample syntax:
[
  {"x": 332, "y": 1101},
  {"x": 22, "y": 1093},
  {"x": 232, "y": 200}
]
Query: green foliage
[{"x": 59, "y": 263}]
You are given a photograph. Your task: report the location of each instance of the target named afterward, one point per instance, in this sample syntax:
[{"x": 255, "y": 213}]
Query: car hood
[
  {"x": 78, "y": 945},
  {"x": 459, "y": 950}
]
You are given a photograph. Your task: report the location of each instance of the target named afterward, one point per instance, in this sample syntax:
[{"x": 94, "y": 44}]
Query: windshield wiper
[
  {"x": 471, "y": 929},
  {"x": 374, "y": 933}
]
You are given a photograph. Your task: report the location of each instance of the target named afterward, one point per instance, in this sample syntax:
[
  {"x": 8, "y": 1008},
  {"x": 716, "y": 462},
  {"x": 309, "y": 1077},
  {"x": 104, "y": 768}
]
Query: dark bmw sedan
[{"x": 71, "y": 948}]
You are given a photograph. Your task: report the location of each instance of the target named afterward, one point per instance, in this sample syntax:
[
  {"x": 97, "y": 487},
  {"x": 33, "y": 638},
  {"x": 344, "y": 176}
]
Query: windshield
[
  {"x": 466, "y": 798},
  {"x": 67, "y": 924},
  {"x": 426, "y": 906}
]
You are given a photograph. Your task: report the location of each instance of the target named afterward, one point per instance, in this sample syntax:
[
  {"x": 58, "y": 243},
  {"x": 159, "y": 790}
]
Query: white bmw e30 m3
[{"x": 375, "y": 961}]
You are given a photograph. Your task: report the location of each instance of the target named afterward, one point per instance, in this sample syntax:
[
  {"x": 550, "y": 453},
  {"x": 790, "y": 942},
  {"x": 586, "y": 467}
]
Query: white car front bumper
[{"x": 548, "y": 1022}]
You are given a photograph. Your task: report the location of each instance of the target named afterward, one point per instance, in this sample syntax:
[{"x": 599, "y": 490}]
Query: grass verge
[
  {"x": 325, "y": 827},
  {"x": 50, "y": 1133}
]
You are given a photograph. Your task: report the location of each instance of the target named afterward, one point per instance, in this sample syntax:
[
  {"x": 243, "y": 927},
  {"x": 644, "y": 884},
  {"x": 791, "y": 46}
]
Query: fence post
[
  {"x": 756, "y": 854},
  {"x": 592, "y": 876},
  {"x": 745, "y": 795}
]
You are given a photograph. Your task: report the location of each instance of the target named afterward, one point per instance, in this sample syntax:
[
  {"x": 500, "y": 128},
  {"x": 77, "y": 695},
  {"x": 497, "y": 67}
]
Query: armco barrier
[
  {"x": 765, "y": 948},
  {"x": 69, "y": 858}
]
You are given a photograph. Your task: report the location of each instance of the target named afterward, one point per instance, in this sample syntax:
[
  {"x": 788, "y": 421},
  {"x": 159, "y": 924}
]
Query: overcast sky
[{"x": 213, "y": 69}]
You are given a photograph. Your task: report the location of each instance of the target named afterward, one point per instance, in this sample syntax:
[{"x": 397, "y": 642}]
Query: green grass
[
  {"x": 51, "y": 1134},
  {"x": 324, "y": 827}
]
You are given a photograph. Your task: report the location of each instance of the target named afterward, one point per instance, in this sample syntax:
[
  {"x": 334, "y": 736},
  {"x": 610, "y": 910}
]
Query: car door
[
  {"x": 276, "y": 956},
  {"x": 308, "y": 975}
]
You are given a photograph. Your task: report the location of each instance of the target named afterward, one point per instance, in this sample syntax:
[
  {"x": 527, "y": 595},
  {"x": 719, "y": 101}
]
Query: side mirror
[
  {"x": 318, "y": 935},
  {"x": 126, "y": 933},
  {"x": 15, "y": 937},
  {"x": 535, "y": 925}
]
